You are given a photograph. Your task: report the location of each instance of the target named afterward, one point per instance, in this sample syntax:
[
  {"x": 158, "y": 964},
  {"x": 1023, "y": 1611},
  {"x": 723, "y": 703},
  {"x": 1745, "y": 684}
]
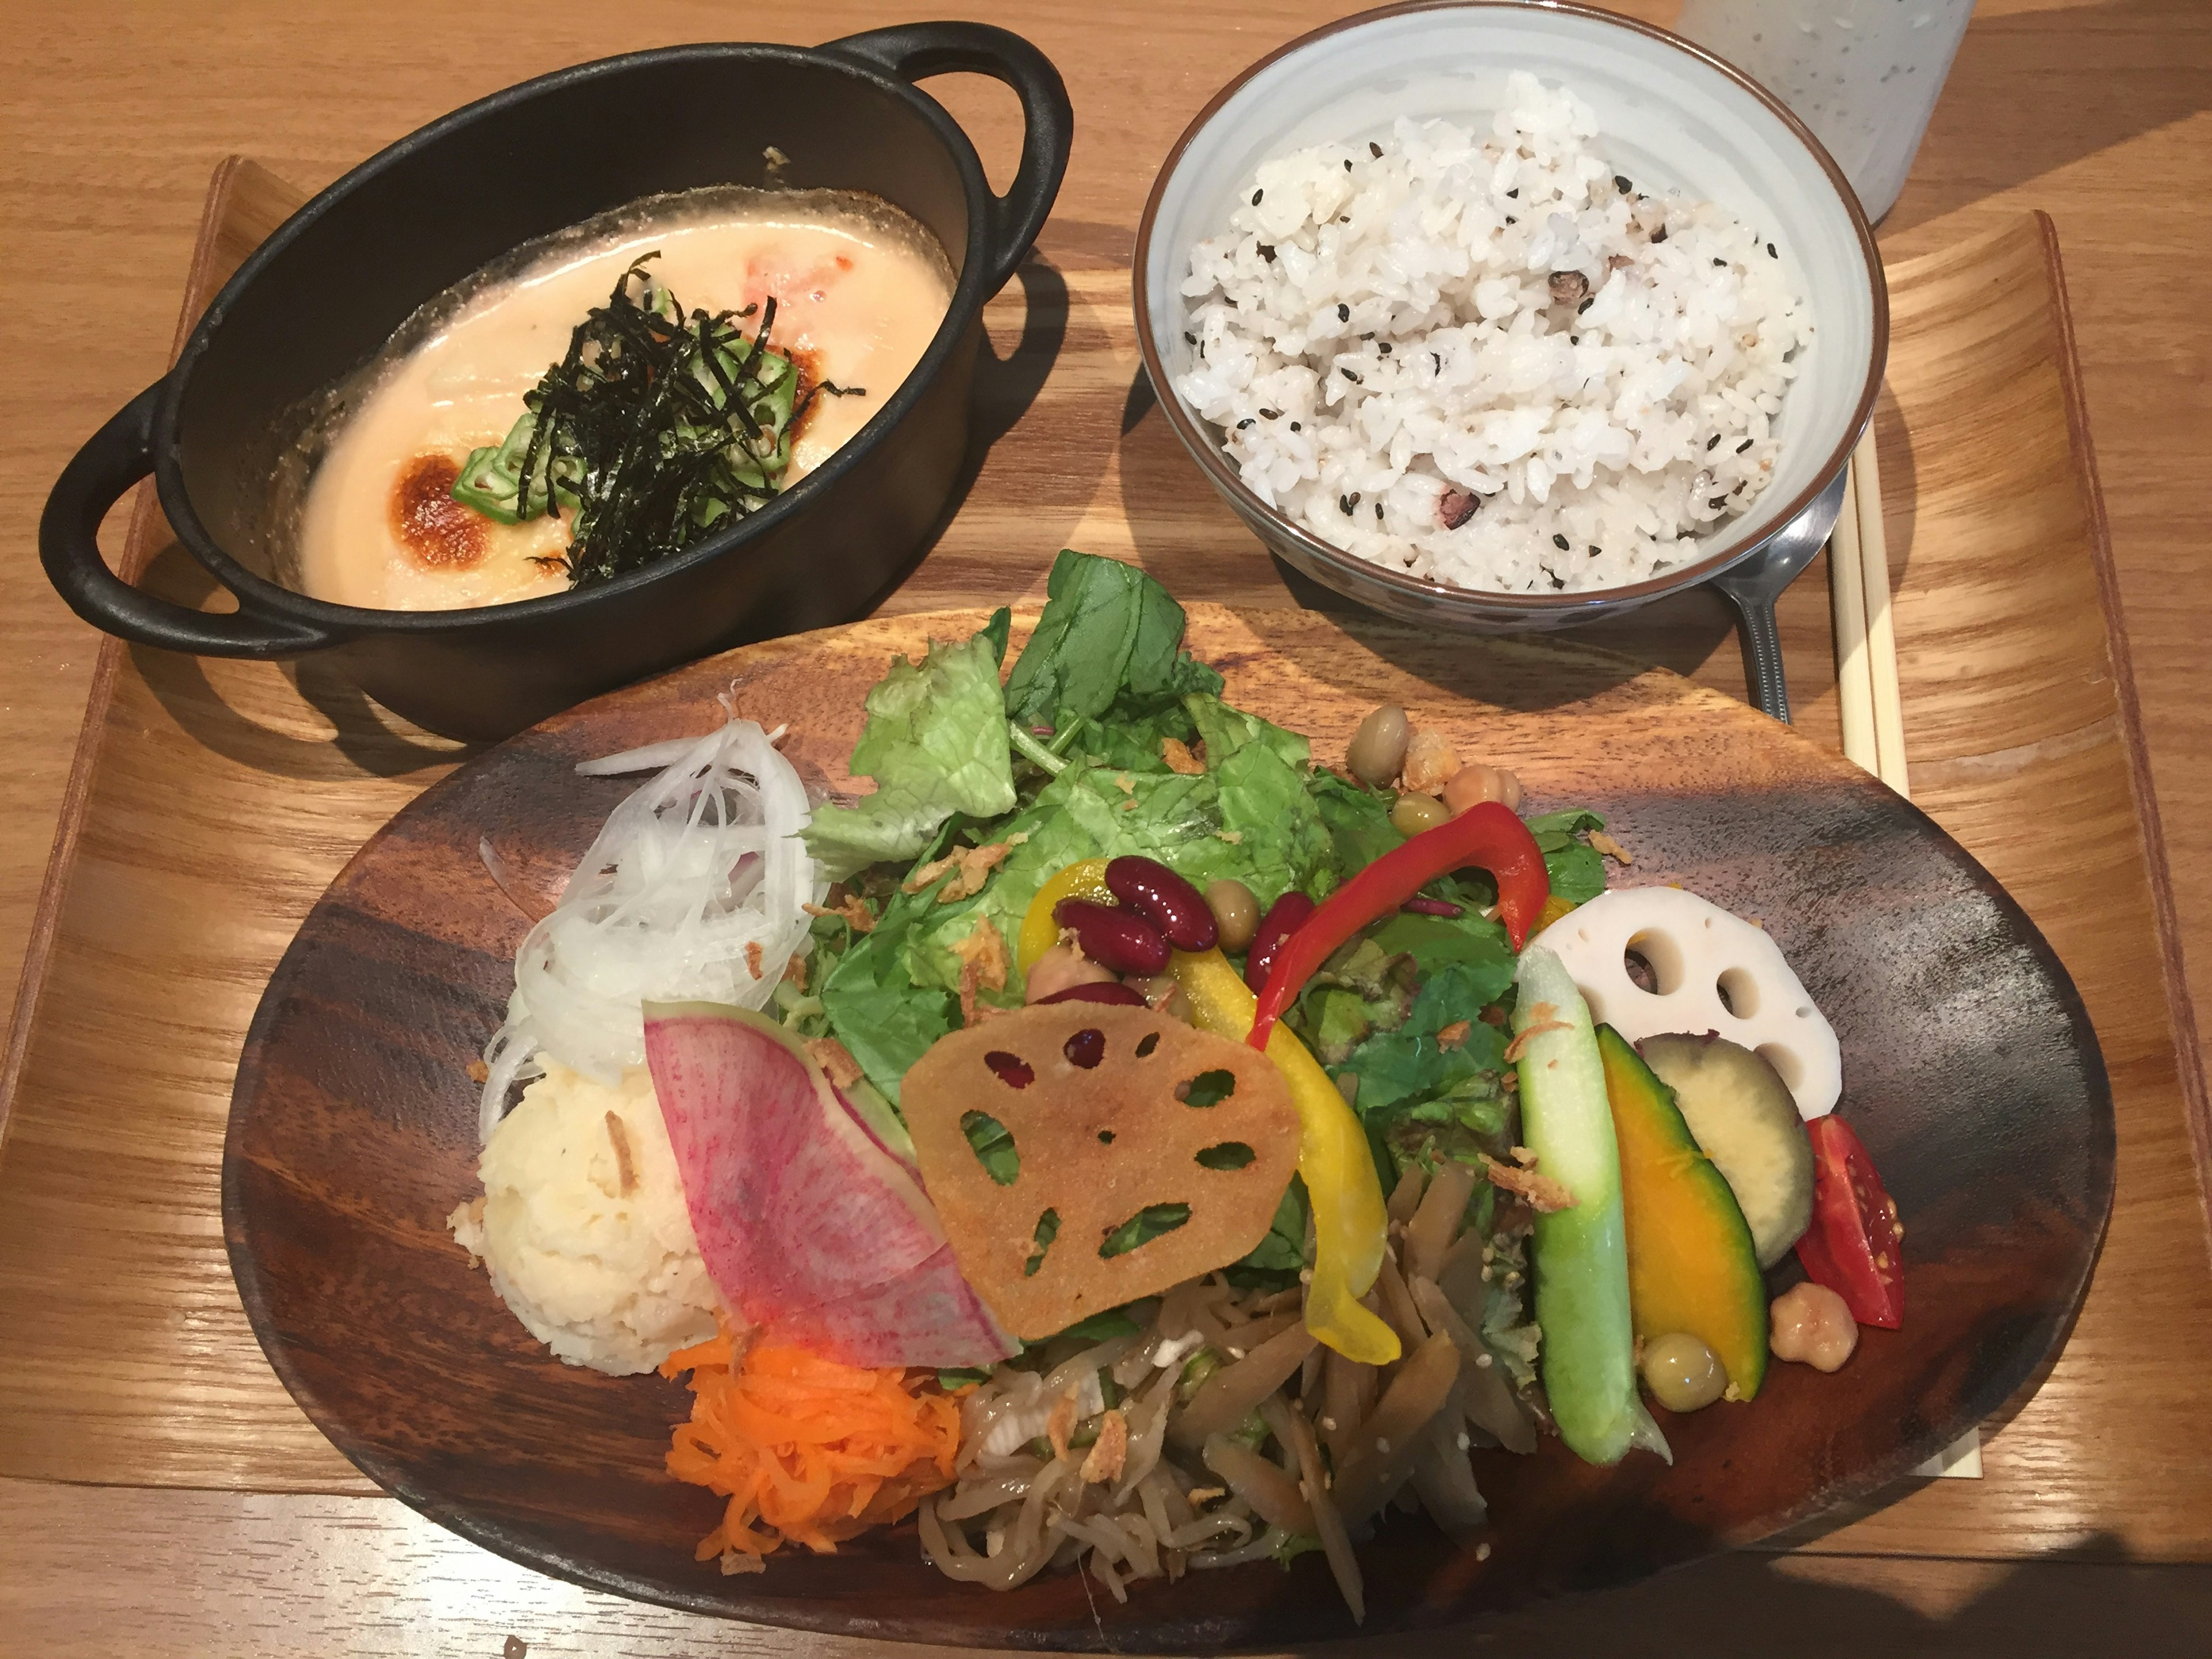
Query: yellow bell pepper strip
[
  {"x": 1341, "y": 1184},
  {"x": 1039, "y": 931},
  {"x": 1488, "y": 834}
]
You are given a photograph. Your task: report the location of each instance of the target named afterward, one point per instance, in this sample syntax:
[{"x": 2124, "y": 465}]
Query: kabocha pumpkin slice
[
  {"x": 1691, "y": 1265},
  {"x": 1081, "y": 1155}
]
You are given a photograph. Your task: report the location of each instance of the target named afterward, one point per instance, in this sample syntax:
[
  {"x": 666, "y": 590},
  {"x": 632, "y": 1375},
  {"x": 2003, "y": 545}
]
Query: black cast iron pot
[{"x": 325, "y": 293}]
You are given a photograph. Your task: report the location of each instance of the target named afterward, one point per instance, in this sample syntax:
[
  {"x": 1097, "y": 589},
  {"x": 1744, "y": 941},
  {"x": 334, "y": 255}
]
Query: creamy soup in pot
[{"x": 858, "y": 287}]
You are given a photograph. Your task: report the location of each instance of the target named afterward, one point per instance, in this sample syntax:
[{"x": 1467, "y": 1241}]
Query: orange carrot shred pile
[{"x": 806, "y": 1451}]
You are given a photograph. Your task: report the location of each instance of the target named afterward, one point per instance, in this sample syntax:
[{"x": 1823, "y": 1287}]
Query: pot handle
[
  {"x": 118, "y": 456},
  {"x": 914, "y": 52}
]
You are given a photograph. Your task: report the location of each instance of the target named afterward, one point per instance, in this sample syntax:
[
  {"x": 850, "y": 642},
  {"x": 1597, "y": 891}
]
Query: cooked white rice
[{"x": 1391, "y": 330}]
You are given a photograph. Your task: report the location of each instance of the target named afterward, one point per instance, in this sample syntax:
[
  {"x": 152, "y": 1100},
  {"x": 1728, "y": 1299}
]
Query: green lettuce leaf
[
  {"x": 874, "y": 1007},
  {"x": 936, "y": 745},
  {"x": 1109, "y": 635},
  {"x": 1576, "y": 870}
]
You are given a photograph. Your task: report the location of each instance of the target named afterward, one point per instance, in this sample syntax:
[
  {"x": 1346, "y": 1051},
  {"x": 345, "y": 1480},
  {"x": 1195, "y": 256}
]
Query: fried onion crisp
[{"x": 1146, "y": 1153}]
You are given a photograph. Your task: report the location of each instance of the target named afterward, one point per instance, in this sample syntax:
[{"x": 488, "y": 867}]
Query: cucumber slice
[
  {"x": 1745, "y": 1119},
  {"x": 1580, "y": 1254}
]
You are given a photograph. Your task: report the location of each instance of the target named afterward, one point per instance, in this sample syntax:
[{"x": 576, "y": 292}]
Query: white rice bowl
[{"x": 1478, "y": 358}]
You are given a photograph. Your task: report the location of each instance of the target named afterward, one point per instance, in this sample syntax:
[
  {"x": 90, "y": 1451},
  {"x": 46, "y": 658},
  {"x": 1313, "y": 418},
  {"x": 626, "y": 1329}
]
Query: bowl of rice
[{"x": 1508, "y": 316}]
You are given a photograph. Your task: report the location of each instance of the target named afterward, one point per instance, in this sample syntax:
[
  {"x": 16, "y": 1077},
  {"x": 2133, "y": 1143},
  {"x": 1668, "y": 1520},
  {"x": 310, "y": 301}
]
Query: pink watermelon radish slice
[
  {"x": 805, "y": 1223},
  {"x": 928, "y": 1315}
]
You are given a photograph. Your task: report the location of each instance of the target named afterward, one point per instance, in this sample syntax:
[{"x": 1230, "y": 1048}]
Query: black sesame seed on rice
[
  {"x": 1379, "y": 513},
  {"x": 1745, "y": 444},
  {"x": 1384, "y": 347},
  {"x": 1771, "y": 253},
  {"x": 1593, "y": 549},
  {"x": 1349, "y": 375},
  {"x": 1268, "y": 252},
  {"x": 1344, "y": 505},
  {"x": 1585, "y": 305},
  {"x": 1717, "y": 502},
  {"x": 1713, "y": 442},
  {"x": 1256, "y": 195},
  {"x": 1343, "y": 312},
  {"x": 1511, "y": 220},
  {"x": 1621, "y": 183},
  {"x": 1722, "y": 264},
  {"x": 1355, "y": 498},
  {"x": 1558, "y": 581},
  {"x": 1271, "y": 413},
  {"x": 1559, "y": 542},
  {"x": 1189, "y": 338},
  {"x": 1374, "y": 149},
  {"x": 1347, "y": 164},
  {"x": 1244, "y": 423},
  {"x": 1514, "y": 194},
  {"x": 1658, "y": 236},
  {"x": 1295, "y": 427}
]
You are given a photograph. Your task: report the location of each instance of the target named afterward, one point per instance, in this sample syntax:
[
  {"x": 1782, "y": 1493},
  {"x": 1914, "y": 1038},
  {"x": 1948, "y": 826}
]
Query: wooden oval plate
[{"x": 1970, "y": 1072}]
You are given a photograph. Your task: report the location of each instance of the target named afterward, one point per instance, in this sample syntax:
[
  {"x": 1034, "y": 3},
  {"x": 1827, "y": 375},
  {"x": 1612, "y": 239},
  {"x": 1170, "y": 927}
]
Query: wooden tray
[{"x": 212, "y": 802}]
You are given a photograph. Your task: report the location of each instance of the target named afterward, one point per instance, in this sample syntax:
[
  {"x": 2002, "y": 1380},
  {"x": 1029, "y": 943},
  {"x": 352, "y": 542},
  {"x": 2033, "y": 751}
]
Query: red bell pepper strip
[
  {"x": 1855, "y": 1245},
  {"x": 1488, "y": 835}
]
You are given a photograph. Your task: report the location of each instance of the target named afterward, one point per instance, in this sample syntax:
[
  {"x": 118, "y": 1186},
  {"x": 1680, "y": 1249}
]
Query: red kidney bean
[
  {"x": 1115, "y": 936},
  {"x": 1178, "y": 908},
  {"x": 1283, "y": 919},
  {"x": 1012, "y": 1070},
  {"x": 1103, "y": 991}
]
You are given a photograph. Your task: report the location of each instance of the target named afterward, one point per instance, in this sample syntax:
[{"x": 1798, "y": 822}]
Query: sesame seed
[
  {"x": 1344, "y": 505},
  {"x": 1349, "y": 375},
  {"x": 1343, "y": 312},
  {"x": 1514, "y": 193},
  {"x": 1622, "y": 184},
  {"x": 1328, "y": 1425},
  {"x": 1244, "y": 423},
  {"x": 1717, "y": 502},
  {"x": 1593, "y": 549},
  {"x": 1236, "y": 1354},
  {"x": 1384, "y": 347},
  {"x": 1381, "y": 1444},
  {"x": 1559, "y": 542},
  {"x": 1347, "y": 164},
  {"x": 1713, "y": 442},
  {"x": 1463, "y": 1442},
  {"x": 1189, "y": 338},
  {"x": 1268, "y": 252},
  {"x": 1771, "y": 253},
  {"x": 1256, "y": 195},
  {"x": 1482, "y": 1361},
  {"x": 1722, "y": 264},
  {"x": 1374, "y": 149},
  {"x": 1306, "y": 1275},
  {"x": 1745, "y": 444},
  {"x": 1378, "y": 511},
  {"x": 1295, "y": 427},
  {"x": 1271, "y": 413},
  {"x": 1355, "y": 498},
  {"x": 1482, "y": 1552},
  {"x": 1585, "y": 305},
  {"x": 1511, "y": 220}
]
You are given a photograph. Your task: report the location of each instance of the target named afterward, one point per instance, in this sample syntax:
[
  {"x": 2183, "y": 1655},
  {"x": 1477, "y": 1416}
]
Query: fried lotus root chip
[{"x": 1051, "y": 1137}]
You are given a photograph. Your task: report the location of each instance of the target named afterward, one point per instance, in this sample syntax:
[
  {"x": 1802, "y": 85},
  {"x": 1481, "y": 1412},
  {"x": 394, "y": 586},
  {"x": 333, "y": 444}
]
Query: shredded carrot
[{"x": 806, "y": 1451}]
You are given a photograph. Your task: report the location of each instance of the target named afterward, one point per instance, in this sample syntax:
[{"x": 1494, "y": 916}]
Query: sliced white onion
[{"x": 693, "y": 891}]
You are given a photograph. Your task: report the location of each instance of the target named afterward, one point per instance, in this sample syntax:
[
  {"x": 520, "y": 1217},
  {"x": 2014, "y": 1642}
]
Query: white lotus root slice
[{"x": 1696, "y": 951}]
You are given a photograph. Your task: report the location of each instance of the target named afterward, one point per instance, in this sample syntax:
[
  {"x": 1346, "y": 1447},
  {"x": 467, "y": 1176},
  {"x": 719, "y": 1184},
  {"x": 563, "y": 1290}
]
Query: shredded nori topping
[{"x": 656, "y": 429}]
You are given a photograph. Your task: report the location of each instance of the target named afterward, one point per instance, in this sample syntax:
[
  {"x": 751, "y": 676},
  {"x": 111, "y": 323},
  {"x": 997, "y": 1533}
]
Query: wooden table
[{"x": 2093, "y": 113}]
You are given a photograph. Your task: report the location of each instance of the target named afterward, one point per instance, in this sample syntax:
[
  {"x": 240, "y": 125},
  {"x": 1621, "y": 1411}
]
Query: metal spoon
[{"x": 1753, "y": 586}]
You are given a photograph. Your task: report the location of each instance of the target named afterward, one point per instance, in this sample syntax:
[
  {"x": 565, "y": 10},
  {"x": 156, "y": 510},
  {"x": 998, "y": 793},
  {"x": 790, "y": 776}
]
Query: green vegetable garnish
[{"x": 656, "y": 429}]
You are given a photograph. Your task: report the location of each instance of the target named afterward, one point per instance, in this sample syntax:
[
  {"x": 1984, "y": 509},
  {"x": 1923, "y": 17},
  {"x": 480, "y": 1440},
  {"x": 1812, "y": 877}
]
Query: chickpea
[
  {"x": 1058, "y": 968},
  {"x": 1682, "y": 1373},
  {"x": 1471, "y": 784},
  {"x": 1809, "y": 1323},
  {"x": 1163, "y": 996},
  {"x": 1431, "y": 761},
  {"x": 1377, "y": 749},
  {"x": 1415, "y": 814},
  {"x": 1235, "y": 912}
]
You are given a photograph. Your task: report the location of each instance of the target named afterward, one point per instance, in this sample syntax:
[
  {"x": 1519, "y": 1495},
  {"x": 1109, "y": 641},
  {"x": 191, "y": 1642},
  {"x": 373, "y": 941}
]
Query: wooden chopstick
[
  {"x": 1882, "y": 630},
  {"x": 1854, "y": 674}
]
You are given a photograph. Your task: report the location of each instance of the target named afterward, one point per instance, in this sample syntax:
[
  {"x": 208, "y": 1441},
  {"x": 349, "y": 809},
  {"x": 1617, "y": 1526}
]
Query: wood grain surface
[{"x": 2098, "y": 111}]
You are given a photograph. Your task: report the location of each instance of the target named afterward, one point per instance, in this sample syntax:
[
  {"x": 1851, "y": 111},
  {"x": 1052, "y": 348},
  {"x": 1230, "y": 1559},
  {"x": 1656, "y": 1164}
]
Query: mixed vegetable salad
[{"x": 1144, "y": 1146}]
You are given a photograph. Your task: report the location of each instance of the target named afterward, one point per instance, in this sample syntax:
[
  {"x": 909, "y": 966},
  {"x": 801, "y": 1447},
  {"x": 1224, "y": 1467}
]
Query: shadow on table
[
  {"x": 2090, "y": 1601},
  {"x": 2129, "y": 67}
]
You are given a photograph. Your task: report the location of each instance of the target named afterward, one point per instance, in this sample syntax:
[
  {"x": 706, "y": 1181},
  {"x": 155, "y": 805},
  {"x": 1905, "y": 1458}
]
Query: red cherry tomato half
[{"x": 1856, "y": 1244}]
